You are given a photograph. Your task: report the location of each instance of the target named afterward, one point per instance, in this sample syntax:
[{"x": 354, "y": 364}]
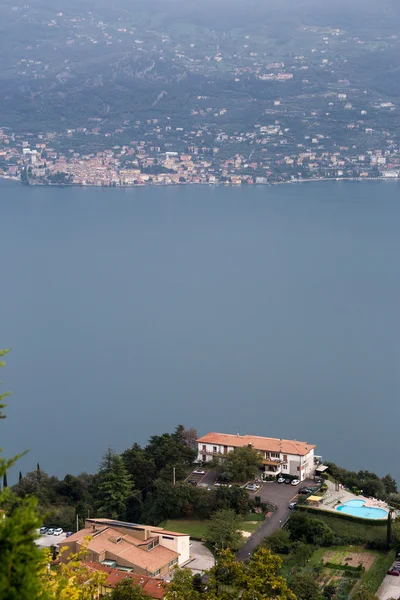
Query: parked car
[
  {"x": 50, "y": 531},
  {"x": 199, "y": 472},
  {"x": 304, "y": 490},
  {"x": 295, "y": 482},
  {"x": 393, "y": 572},
  {"x": 292, "y": 505},
  {"x": 281, "y": 480},
  {"x": 58, "y": 531},
  {"x": 69, "y": 533},
  {"x": 43, "y": 530},
  {"x": 288, "y": 481},
  {"x": 192, "y": 482},
  {"x": 252, "y": 487}
]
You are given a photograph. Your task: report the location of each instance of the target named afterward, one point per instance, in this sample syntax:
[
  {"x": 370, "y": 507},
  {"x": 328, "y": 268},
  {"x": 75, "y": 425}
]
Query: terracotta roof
[
  {"x": 259, "y": 443},
  {"x": 155, "y": 587},
  {"x": 126, "y": 548}
]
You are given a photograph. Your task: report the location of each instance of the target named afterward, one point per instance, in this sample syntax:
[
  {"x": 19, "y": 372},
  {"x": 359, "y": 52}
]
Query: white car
[
  {"x": 198, "y": 472},
  {"x": 295, "y": 482},
  {"x": 281, "y": 480},
  {"x": 252, "y": 487},
  {"x": 58, "y": 531}
]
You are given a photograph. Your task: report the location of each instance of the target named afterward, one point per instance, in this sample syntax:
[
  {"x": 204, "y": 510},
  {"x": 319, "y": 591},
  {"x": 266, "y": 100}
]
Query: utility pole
[
  {"x": 173, "y": 475},
  {"x": 77, "y": 523}
]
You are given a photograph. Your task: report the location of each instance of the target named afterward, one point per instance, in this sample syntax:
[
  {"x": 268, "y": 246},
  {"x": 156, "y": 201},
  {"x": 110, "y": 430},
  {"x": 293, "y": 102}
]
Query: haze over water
[{"x": 272, "y": 311}]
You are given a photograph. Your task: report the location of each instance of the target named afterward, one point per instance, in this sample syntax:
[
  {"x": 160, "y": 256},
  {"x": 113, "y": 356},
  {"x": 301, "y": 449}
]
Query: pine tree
[
  {"x": 19, "y": 476},
  {"x": 22, "y": 562},
  {"x": 115, "y": 485}
]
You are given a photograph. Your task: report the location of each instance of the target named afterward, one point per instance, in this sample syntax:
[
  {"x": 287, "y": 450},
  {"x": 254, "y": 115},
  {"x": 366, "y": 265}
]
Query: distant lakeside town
[{"x": 37, "y": 162}]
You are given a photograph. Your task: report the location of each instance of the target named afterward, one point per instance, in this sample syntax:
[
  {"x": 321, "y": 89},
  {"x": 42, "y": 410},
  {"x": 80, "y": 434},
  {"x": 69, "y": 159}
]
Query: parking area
[
  {"x": 46, "y": 541},
  {"x": 202, "y": 477},
  {"x": 280, "y": 494}
]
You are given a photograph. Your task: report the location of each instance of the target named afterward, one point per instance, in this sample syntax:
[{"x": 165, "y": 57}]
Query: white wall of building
[
  {"x": 178, "y": 543},
  {"x": 301, "y": 467}
]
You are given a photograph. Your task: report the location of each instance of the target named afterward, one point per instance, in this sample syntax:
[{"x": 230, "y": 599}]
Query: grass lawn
[
  {"x": 250, "y": 525},
  {"x": 193, "y": 527},
  {"x": 197, "y": 528},
  {"x": 374, "y": 577},
  {"x": 345, "y": 527}
]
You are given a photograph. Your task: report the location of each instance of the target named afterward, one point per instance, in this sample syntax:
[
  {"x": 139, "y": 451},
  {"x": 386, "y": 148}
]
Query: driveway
[
  {"x": 46, "y": 541},
  {"x": 390, "y": 587},
  {"x": 201, "y": 558},
  {"x": 281, "y": 495}
]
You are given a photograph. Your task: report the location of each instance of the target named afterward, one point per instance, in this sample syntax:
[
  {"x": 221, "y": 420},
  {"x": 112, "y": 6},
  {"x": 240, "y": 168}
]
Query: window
[
  {"x": 156, "y": 542},
  {"x": 285, "y": 467},
  {"x": 298, "y": 468},
  {"x": 215, "y": 449},
  {"x": 167, "y": 537},
  {"x": 204, "y": 448},
  {"x": 285, "y": 458},
  {"x": 204, "y": 457},
  {"x": 156, "y": 573}
]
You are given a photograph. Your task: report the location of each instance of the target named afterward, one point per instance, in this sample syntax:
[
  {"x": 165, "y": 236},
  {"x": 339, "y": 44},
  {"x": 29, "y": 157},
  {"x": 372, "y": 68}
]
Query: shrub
[{"x": 279, "y": 542}]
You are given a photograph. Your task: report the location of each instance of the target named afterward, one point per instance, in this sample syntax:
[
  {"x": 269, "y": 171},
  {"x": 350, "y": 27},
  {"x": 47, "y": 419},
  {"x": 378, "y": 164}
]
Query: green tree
[
  {"x": 308, "y": 528},
  {"x": 128, "y": 590},
  {"x": 21, "y": 560},
  {"x": 141, "y": 468},
  {"x": 278, "y": 542},
  {"x": 242, "y": 464},
  {"x": 259, "y": 579},
  {"x": 223, "y": 529},
  {"x": 305, "y": 586},
  {"x": 301, "y": 553},
  {"x": 183, "y": 586},
  {"x": 115, "y": 485},
  {"x": 233, "y": 497},
  {"x": 263, "y": 578},
  {"x": 374, "y": 488},
  {"x": 390, "y": 484}
]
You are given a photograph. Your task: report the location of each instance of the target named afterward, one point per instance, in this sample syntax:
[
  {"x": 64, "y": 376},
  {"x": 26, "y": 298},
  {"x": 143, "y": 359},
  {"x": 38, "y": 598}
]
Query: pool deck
[{"x": 333, "y": 498}]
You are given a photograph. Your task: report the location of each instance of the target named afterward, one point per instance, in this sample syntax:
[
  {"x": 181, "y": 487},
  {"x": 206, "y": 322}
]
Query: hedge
[
  {"x": 339, "y": 515},
  {"x": 349, "y": 568}
]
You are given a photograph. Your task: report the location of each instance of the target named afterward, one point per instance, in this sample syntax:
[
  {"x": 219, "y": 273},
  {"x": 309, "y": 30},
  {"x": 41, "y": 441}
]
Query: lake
[{"x": 264, "y": 310}]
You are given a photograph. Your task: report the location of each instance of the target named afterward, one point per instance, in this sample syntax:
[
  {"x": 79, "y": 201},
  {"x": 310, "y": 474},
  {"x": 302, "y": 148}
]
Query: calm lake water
[{"x": 272, "y": 311}]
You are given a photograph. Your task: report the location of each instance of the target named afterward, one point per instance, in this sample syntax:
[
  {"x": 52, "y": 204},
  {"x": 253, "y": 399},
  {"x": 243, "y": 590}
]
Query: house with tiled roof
[
  {"x": 279, "y": 456},
  {"x": 155, "y": 587},
  {"x": 141, "y": 549}
]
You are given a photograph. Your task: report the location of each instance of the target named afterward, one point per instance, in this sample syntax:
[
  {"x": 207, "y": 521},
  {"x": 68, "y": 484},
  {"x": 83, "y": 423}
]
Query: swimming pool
[{"x": 357, "y": 508}]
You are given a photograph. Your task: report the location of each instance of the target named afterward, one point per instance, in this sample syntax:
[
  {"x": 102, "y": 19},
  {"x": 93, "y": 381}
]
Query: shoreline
[{"x": 182, "y": 183}]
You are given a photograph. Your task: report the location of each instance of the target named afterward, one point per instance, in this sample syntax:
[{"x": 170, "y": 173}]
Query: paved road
[
  {"x": 269, "y": 526},
  {"x": 280, "y": 495}
]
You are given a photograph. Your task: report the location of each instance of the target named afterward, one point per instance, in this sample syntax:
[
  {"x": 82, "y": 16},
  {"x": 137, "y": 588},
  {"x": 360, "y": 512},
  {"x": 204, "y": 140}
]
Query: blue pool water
[{"x": 357, "y": 508}]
